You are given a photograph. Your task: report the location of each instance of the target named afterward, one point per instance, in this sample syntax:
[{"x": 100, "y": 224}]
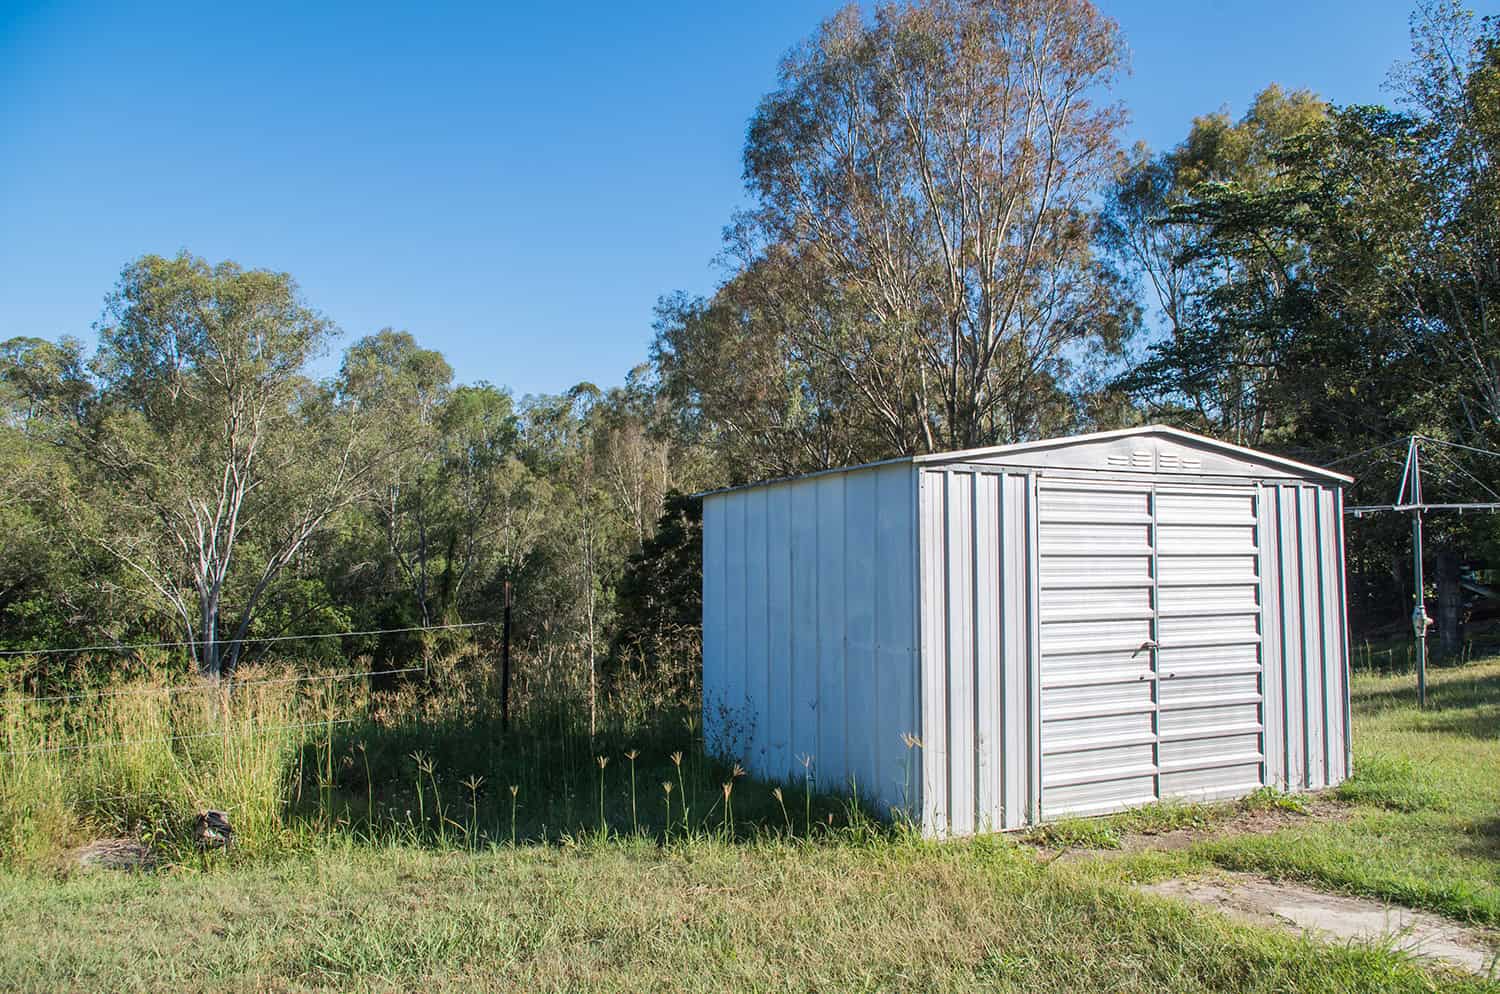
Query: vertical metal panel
[
  {"x": 1331, "y": 624},
  {"x": 987, "y": 659},
  {"x": 960, "y": 566},
  {"x": 976, "y": 649},
  {"x": 897, "y": 700},
  {"x": 1312, "y": 636},
  {"x": 933, "y": 521},
  {"x": 804, "y": 658},
  {"x": 776, "y": 716},
  {"x": 715, "y": 663},
  {"x": 730, "y": 702},
  {"x": 1017, "y": 598},
  {"x": 809, "y": 621},
  {"x": 1272, "y": 688},
  {"x": 1347, "y": 769},
  {"x": 1295, "y": 724},
  {"x": 1308, "y": 536},
  {"x": 831, "y": 756},
  {"x": 1033, "y": 653},
  {"x": 752, "y": 715},
  {"x": 861, "y": 497}
]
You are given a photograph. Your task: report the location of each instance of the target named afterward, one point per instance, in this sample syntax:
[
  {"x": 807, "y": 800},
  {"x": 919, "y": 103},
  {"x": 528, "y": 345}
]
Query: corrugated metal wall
[
  {"x": 976, "y": 548},
  {"x": 1032, "y": 596},
  {"x": 1306, "y": 640},
  {"x": 809, "y": 630},
  {"x": 1089, "y": 644}
]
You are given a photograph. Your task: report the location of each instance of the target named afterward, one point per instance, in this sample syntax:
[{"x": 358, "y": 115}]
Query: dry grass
[
  {"x": 629, "y": 916},
  {"x": 382, "y": 859}
]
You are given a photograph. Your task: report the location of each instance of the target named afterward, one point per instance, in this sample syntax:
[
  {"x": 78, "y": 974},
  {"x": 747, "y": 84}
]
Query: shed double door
[{"x": 1150, "y": 647}]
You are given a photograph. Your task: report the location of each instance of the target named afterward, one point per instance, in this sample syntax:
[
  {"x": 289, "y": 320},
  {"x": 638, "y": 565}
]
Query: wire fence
[
  {"x": 108, "y": 743},
  {"x": 259, "y": 640},
  {"x": 214, "y": 688},
  {"x": 220, "y": 687}
]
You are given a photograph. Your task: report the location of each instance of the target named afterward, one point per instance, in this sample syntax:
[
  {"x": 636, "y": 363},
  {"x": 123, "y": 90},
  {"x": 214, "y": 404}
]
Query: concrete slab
[{"x": 1338, "y": 917}]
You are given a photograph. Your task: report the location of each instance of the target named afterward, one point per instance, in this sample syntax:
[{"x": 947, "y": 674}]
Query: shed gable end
[{"x": 1145, "y": 453}]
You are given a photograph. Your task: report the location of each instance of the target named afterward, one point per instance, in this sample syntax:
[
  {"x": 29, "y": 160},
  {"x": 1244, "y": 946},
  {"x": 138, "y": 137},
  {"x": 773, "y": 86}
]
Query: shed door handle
[{"x": 1145, "y": 646}]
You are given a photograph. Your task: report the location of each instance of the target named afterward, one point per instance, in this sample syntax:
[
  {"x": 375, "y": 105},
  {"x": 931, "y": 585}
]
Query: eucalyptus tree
[
  {"x": 410, "y": 386},
  {"x": 924, "y": 188},
  {"x": 212, "y": 453},
  {"x": 54, "y": 586}
]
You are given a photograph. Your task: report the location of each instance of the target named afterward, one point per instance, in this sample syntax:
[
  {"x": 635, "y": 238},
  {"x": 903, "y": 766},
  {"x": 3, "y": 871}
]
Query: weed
[{"x": 1272, "y": 799}]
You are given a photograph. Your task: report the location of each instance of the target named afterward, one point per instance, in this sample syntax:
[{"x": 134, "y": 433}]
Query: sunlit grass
[{"x": 1423, "y": 825}]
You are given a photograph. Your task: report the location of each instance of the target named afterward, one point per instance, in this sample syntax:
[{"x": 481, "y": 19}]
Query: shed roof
[{"x": 1111, "y": 450}]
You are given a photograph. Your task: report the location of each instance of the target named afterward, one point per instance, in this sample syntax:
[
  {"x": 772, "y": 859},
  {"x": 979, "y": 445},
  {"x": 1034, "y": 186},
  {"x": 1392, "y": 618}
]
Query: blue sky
[{"x": 515, "y": 186}]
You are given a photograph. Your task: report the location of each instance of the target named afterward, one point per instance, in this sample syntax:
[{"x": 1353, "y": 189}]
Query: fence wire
[
  {"x": 210, "y": 687},
  {"x": 111, "y": 743},
  {"x": 260, "y": 640}
]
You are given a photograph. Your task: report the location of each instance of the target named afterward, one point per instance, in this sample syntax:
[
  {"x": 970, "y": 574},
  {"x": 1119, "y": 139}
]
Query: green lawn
[
  {"x": 858, "y": 911},
  {"x": 1424, "y": 825}
]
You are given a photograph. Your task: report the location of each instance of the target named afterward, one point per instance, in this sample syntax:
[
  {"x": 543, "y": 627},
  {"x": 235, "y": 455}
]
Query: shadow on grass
[
  {"x": 1456, "y": 702},
  {"x": 467, "y": 782},
  {"x": 1484, "y": 840}
]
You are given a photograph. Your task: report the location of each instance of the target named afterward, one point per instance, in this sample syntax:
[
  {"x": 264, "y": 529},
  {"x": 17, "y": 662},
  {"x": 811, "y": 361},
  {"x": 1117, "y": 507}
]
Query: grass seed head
[
  {"x": 666, "y": 786},
  {"x": 677, "y": 758}
]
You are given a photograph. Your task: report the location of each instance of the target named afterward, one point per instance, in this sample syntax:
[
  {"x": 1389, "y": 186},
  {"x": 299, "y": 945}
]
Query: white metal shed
[{"x": 1069, "y": 627}]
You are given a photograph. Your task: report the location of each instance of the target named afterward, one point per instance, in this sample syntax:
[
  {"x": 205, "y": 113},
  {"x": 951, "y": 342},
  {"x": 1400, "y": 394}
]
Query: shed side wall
[{"x": 809, "y": 630}]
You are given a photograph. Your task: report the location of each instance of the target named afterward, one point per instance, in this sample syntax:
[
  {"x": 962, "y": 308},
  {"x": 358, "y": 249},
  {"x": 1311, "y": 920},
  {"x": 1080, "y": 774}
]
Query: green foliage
[
  {"x": 661, "y": 600},
  {"x": 1325, "y": 279},
  {"x": 1272, "y": 799}
]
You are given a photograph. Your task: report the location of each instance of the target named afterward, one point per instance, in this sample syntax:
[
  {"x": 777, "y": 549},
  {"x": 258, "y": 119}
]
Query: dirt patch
[
  {"x": 1261, "y": 821},
  {"x": 1257, "y": 821},
  {"x": 1337, "y": 917}
]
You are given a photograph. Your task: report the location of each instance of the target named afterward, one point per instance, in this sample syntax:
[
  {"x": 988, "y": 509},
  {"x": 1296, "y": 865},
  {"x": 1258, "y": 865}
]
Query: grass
[
  {"x": 297, "y": 762},
  {"x": 839, "y": 915},
  {"x": 1423, "y": 825},
  {"x": 415, "y": 846}
]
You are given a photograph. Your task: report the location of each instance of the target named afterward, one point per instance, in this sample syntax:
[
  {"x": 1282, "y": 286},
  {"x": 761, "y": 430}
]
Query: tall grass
[{"x": 296, "y": 762}]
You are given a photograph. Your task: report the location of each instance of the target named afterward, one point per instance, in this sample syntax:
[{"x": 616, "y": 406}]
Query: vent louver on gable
[{"x": 1172, "y": 461}]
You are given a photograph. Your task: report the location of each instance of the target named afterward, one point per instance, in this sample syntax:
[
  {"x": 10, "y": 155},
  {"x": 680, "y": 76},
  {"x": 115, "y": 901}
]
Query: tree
[
  {"x": 924, "y": 190},
  {"x": 660, "y": 625},
  {"x": 388, "y": 371},
  {"x": 1209, "y": 232},
  {"x": 213, "y": 454},
  {"x": 54, "y": 588}
]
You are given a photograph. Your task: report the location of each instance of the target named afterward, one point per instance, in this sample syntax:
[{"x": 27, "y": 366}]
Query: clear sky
[{"x": 515, "y": 186}]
